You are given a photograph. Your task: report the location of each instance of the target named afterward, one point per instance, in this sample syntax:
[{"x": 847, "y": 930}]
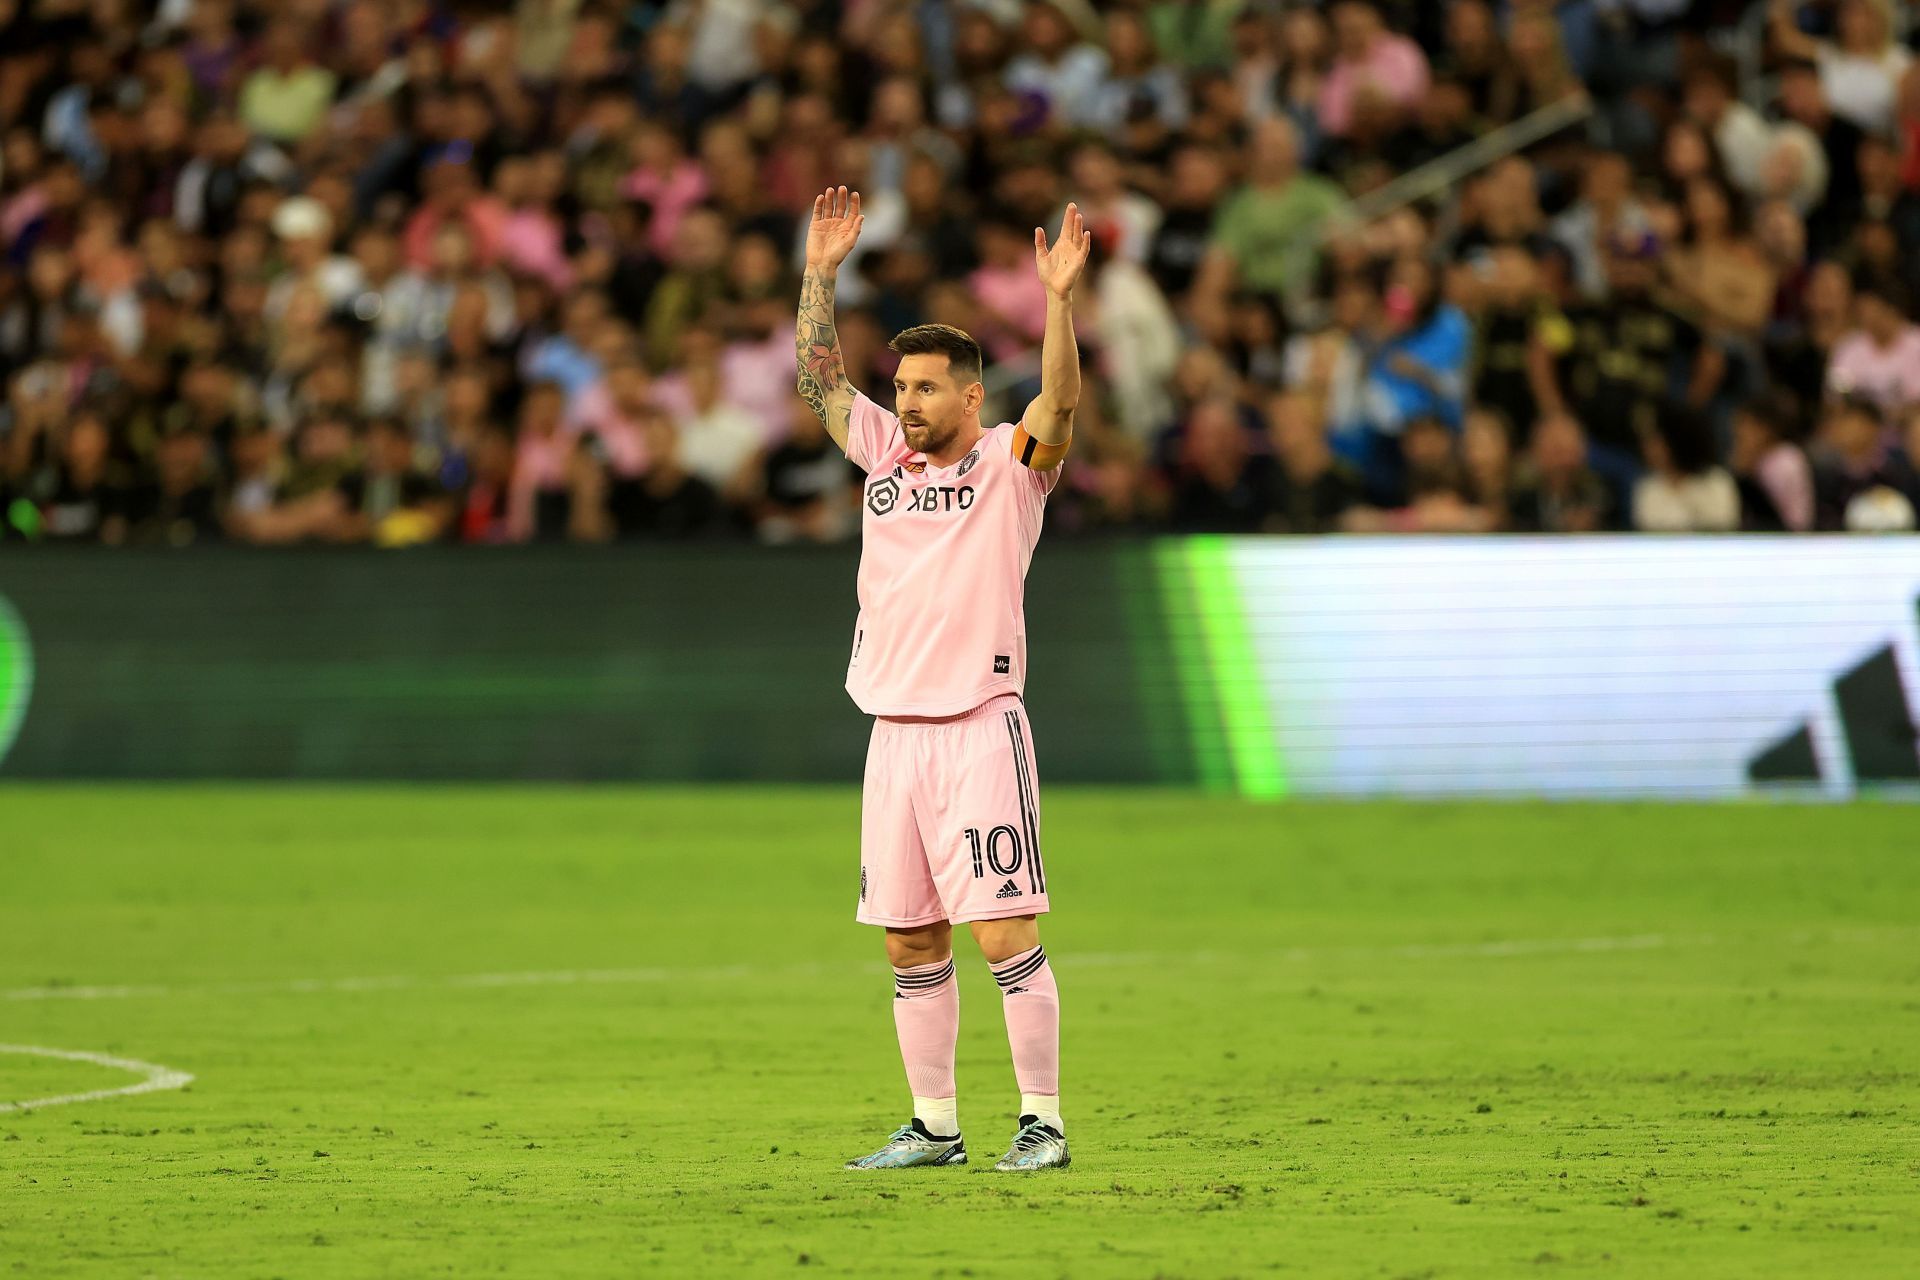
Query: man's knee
[
  {"x": 927, "y": 944},
  {"x": 1000, "y": 939}
]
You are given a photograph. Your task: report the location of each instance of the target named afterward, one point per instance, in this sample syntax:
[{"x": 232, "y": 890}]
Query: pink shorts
[{"x": 950, "y": 819}]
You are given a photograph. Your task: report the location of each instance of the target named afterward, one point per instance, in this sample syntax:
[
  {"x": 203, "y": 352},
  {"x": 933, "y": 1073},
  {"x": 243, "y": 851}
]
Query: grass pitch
[{"x": 546, "y": 1032}]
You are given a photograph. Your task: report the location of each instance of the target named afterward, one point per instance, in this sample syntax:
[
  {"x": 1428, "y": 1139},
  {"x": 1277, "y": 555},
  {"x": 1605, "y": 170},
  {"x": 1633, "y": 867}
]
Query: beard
[{"x": 929, "y": 437}]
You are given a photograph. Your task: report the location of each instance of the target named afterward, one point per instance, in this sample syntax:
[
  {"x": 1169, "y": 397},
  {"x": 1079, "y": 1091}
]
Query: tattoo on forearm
[{"x": 823, "y": 372}]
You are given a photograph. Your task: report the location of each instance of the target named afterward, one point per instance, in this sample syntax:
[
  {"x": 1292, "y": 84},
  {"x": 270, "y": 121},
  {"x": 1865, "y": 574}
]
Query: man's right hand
[{"x": 834, "y": 228}]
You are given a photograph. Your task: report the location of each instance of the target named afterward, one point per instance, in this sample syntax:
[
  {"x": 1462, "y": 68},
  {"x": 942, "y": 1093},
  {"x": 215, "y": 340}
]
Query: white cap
[{"x": 301, "y": 216}]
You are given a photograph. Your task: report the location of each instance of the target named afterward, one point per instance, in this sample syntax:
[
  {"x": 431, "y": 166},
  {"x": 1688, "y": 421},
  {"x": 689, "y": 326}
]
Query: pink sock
[
  {"x": 1032, "y": 1005},
  {"x": 926, "y": 1013}
]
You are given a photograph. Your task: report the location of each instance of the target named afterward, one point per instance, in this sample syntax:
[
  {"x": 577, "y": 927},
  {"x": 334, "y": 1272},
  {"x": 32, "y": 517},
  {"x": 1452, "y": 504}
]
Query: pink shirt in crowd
[
  {"x": 943, "y": 567},
  {"x": 485, "y": 219},
  {"x": 1786, "y": 475},
  {"x": 592, "y": 411},
  {"x": 671, "y": 195},
  {"x": 1016, "y": 296},
  {"x": 1889, "y": 376},
  {"x": 1394, "y": 68},
  {"x": 531, "y": 242},
  {"x": 754, "y": 376}
]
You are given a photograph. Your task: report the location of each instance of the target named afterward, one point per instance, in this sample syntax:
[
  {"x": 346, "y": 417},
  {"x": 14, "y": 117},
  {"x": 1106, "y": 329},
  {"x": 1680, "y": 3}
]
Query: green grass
[{"x": 1289, "y": 1047}]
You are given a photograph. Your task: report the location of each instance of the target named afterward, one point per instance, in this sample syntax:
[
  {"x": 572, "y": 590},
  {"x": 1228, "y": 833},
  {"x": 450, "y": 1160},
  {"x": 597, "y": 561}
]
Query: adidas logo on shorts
[{"x": 1008, "y": 890}]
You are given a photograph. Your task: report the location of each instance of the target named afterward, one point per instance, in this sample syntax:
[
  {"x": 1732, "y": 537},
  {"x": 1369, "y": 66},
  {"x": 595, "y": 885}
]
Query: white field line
[
  {"x": 157, "y": 1077},
  {"x": 603, "y": 977}
]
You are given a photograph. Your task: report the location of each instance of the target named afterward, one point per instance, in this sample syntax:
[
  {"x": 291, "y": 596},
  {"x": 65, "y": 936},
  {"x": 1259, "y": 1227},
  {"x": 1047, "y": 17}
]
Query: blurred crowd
[{"x": 398, "y": 271}]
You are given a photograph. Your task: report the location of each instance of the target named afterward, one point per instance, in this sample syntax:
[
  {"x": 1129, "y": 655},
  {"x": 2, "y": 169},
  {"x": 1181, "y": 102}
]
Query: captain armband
[{"x": 1031, "y": 452}]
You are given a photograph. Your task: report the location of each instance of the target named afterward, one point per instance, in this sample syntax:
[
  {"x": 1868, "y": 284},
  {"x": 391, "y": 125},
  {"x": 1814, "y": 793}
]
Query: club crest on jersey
[
  {"x": 966, "y": 463},
  {"x": 883, "y": 495},
  {"x": 915, "y": 467}
]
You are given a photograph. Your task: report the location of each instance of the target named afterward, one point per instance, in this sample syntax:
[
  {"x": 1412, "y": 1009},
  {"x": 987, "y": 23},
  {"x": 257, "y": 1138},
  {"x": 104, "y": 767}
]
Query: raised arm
[
  {"x": 1049, "y": 419},
  {"x": 1789, "y": 41},
  {"x": 823, "y": 371}
]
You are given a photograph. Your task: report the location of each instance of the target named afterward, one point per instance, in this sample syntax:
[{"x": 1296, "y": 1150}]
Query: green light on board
[{"x": 16, "y": 675}]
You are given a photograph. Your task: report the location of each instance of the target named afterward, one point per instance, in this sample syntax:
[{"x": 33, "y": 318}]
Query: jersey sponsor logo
[
  {"x": 967, "y": 463},
  {"x": 936, "y": 498},
  {"x": 1002, "y": 664},
  {"x": 883, "y": 495},
  {"x": 1008, "y": 890}
]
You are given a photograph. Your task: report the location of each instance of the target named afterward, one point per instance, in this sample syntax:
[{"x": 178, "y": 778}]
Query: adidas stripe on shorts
[{"x": 950, "y": 819}]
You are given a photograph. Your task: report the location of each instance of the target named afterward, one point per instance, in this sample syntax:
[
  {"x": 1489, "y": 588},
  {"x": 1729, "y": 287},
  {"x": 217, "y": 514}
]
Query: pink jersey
[{"x": 943, "y": 570}]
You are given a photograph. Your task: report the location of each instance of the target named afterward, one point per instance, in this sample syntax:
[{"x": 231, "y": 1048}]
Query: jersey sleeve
[
  {"x": 871, "y": 432},
  {"x": 1042, "y": 463}
]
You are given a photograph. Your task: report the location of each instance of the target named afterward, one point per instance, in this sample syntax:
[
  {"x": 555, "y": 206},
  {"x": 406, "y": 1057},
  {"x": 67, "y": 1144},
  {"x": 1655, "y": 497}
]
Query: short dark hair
[{"x": 964, "y": 359}]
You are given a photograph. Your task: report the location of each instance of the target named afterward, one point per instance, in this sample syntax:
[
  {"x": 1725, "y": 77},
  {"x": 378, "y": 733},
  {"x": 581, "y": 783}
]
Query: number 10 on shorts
[{"x": 999, "y": 852}]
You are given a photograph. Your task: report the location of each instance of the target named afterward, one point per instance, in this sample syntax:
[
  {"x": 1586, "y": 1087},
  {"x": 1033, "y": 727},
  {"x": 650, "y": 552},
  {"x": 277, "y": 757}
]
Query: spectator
[
  {"x": 1805, "y": 103},
  {"x": 1263, "y": 235},
  {"x": 1139, "y": 340},
  {"x": 81, "y": 495},
  {"x": 1124, "y": 220},
  {"x": 1506, "y": 370},
  {"x": 1775, "y": 478},
  {"x": 1718, "y": 268},
  {"x": 305, "y": 229},
  {"x": 532, "y": 238},
  {"x": 806, "y": 485},
  {"x": 1799, "y": 356},
  {"x": 1419, "y": 369},
  {"x": 695, "y": 280},
  {"x": 1221, "y": 485},
  {"x": 1476, "y": 59},
  {"x": 1556, "y": 491},
  {"x": 1331, "y": 364},
  {"x": 1615, "y": 363},
  {"x": 1312, "y": 488},
  {"x": 1012, "y": 300},
  {"x": 669, "y": 501},
  {"x": 1887, "y": 198},
  {"x": 666, "y": 180},
  {"x": 288, "y": 96},
  {"x": 1374, "y": 71},
  {"x": 1194, "y": 37},
  {"x": 1856, "y": 472},
  {"x": 1683, "y": 490},
  {"x": 1063, "y": 73},
  {"x": 177, "y": 504},
  {"x": 1196, "y": 181},
  {"x": 1306, "y": 54},
  {"x": 1741, "y": 137},
  {"x": 1880, "y": 358},
  {"x": 1486, "y": 449},
  {"x": 1861, "y": 68},
  {"x": 715, "y": 439},
  {"x": 1433, "y": 498},
  {"x": 484, "y": 508},
  {"x": 1604, "y": 211},
  {"x": 538, "y": 504},
  {"x": 1136, "y": 82},
  {"x": 612, "y": 410},
  {"x": 1441, "y": 122}
]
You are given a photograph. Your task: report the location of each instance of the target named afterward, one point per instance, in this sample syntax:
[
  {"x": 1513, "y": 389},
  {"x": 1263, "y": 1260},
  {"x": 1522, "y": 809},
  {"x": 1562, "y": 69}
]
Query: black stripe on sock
[
  {"x": 1036, "y": 874},
  {"x": 1020, "y": 971},
  {"x": 922, "y": 981}
]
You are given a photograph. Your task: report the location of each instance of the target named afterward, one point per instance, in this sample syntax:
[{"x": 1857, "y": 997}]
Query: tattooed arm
[{"x": 823, "y": 372}]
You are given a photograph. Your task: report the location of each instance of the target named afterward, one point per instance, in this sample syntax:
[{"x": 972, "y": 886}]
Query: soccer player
[{"x": 950, "y": 816}]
